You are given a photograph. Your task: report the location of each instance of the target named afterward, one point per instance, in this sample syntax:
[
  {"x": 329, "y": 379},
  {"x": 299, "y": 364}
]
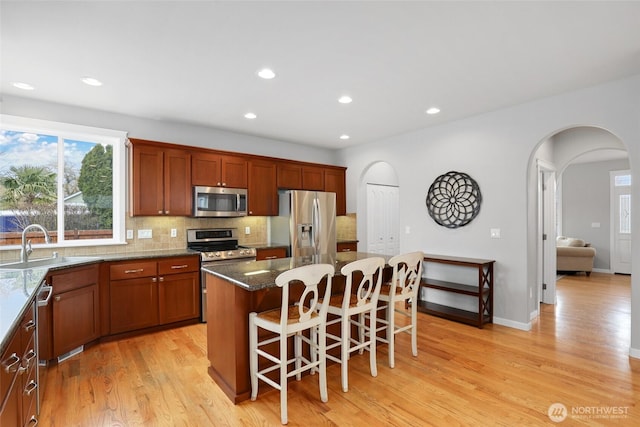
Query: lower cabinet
[
  {"x": 134, "y": 304},
  {"x": 18, "y": 380},
  {"x": 73, "y": 317},
  {"x": 153, "y": 292}
]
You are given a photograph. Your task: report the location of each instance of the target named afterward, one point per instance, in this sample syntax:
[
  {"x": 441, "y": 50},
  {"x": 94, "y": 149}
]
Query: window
[{"x": 67, "y": 178}]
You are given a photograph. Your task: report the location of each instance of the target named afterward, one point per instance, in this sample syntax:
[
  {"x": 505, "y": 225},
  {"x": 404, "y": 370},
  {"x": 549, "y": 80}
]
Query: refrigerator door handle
[{"x": 317, "y": 226}]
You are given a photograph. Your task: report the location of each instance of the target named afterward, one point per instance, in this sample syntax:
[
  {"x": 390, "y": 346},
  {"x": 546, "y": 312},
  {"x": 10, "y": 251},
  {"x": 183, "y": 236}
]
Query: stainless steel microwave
[{"x": 219, "y": 202}]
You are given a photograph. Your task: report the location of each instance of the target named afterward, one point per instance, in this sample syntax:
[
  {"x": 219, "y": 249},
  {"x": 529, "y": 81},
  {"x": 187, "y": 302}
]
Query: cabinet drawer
[
  {"x": 74, "y": 278},
  {"x": 132, "y": 270},
  {"x": 347, "y": 247},
  {"x": 178, "y": 265},
  {"x": 271, "y": 253}
]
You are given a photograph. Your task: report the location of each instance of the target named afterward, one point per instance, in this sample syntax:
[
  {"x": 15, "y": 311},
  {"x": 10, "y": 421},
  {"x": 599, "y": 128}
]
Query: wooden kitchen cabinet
[
  {"x": 75, "y": 310},
  {"x": 18, "y": 379},
  {"x": 300, "y": 176},
  {"x": 263, "y": 189},
  {"x": 179, "y": 289},
  {"x": 160, "y": 180},
  {"x": 335, "y": 182},
  {"x": 218, "y": 170},
  {"x": 313, "y": 178},
  {"x": 153, "y": 292},
  {"x": 289, "y": 176},
  {"x": 270, "y": 253}
]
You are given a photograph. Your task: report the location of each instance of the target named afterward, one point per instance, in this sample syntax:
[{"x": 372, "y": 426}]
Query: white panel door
[
  {"x": 383, "y": 236},
  {"x": 621, "y": 208}
]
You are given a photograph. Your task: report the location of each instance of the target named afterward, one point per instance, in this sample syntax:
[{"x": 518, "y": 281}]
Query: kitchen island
[{"x": 234, "y": 291}]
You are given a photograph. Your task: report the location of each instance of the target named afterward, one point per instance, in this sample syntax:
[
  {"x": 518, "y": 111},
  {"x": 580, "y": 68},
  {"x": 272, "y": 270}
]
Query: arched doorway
[
  {"x": 377, "y": 218},
  {"x": 559, "y": 153}
]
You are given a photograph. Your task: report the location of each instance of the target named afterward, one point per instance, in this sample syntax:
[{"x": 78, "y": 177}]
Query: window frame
[{"x": 66, "y": 131}]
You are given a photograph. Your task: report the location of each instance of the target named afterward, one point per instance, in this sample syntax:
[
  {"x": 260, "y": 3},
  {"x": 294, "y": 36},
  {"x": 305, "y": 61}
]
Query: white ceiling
[{"x": 196, "y": 62}]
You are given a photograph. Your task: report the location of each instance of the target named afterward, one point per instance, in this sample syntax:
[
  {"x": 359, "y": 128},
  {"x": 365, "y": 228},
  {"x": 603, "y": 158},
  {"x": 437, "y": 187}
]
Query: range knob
[
  {"x": 230, "y": 253},
  {"x": 217, "y": 255}
]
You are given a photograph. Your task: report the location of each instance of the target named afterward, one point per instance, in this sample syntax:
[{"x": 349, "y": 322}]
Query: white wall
[
  {"x": 496, "y": 149},
  {"x": 586, "y": 200},
  {"x": 163, "y": 131}
]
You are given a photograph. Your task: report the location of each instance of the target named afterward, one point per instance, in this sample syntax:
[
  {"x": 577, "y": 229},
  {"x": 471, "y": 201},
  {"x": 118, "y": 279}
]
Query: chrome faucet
[{"x": 26, "y": 250}]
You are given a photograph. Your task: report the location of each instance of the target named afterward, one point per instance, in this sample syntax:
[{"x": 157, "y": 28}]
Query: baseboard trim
[
  {"x": 634, "y": 352},
  {"x": 512, "y": 324}
]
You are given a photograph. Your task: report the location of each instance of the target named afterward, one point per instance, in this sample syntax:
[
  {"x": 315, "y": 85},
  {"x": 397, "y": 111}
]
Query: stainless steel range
[{"x": 216, "y": 245}]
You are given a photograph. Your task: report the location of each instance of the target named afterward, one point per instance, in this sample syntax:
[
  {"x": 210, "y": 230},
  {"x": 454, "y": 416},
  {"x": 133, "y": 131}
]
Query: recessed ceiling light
[
  {"x": 344, "y": 136},
  {"x": 23, "y": 86},
  {"x": 91, "y": 81},
  {"x": 344, "y": 99},
  {"x": 433, "y": 110},
  {"x": 250, "y": 116},
  {"x": 266, "y": 73}
]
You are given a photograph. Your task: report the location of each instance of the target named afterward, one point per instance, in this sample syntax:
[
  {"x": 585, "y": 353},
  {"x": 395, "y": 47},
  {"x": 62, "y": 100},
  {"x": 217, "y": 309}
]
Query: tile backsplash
[{"x": 161, "y": 235}]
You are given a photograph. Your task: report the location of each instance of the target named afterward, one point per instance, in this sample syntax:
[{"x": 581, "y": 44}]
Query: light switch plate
[
  {"x": 145, "y": 234},
  {"x": 247, "y": 230},
  {"x": 129, "y": 234},
  {"x": 174, "y": 232}
]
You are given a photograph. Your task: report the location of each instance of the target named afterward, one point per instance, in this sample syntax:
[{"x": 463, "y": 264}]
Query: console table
[{"x": 483, "y": 291}]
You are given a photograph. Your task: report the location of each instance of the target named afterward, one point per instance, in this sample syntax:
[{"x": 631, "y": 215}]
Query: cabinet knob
[
  {"x": 56, "y": 298},
  {"x": 166, "y": 212},
  {"x": 160, "y": 212}
]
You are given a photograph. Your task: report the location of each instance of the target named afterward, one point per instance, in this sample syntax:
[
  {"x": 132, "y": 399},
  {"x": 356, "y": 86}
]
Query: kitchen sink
[{"x": 63, "y": 261}]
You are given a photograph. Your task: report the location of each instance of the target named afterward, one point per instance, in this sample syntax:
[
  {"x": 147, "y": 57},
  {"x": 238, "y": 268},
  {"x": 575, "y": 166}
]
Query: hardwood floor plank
[{"x": 576, "y": 354}]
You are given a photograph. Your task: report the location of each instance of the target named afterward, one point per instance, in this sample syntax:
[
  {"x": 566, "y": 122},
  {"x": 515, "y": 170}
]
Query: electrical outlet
[
  {"x": 247, "y": 230},
  {"x": 174, "y": 232},
  {"x": 129, "y": 234},
  {"x": 145, "y": 234}
]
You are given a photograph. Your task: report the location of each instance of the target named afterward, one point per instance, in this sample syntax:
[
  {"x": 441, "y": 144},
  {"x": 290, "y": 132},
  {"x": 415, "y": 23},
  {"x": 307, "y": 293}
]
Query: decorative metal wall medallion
[{"x": 454, "y": 199}]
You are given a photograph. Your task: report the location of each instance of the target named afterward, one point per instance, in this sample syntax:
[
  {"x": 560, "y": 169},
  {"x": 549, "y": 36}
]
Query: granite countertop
[
  {"x": 256, "y": 275},
  {"x": 18, "y": 286}
]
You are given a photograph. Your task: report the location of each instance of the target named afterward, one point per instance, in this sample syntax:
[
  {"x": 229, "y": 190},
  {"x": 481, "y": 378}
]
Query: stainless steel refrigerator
[{"x": 306, "y": 222}]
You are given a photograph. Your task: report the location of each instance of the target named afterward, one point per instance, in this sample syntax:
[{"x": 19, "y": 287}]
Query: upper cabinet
[
  {"x": 335, "y": 182},
  {"x": 299, "y": 176},
  {"x": 160, "y": 179},
  {"x": 263, "y": 191},
  {"x": 217, "y": 170}
]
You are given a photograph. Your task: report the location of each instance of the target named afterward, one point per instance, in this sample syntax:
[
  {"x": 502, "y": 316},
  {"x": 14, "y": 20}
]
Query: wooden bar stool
[
  {"x": 309, "y": 313},
  {"x": 350, "y": 304},
  {"x": 404, "y": 286}
]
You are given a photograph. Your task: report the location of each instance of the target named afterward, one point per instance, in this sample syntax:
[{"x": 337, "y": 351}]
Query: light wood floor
[{"x": 576, "y": 354}]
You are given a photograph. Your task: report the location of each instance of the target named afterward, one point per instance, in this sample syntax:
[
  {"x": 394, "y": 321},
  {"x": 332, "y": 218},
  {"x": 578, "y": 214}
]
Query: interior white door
[
  {"x": 547, "y": 235},
  {"x": 383, "y": 234},
  {"x": 621, "y": 221}
]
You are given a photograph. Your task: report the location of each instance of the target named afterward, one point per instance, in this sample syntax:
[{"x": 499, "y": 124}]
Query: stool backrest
[
  {"x": 311, "y": 276},
  {"x": 368, "y": 290},
  {"x": 407, "y": 273}
]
